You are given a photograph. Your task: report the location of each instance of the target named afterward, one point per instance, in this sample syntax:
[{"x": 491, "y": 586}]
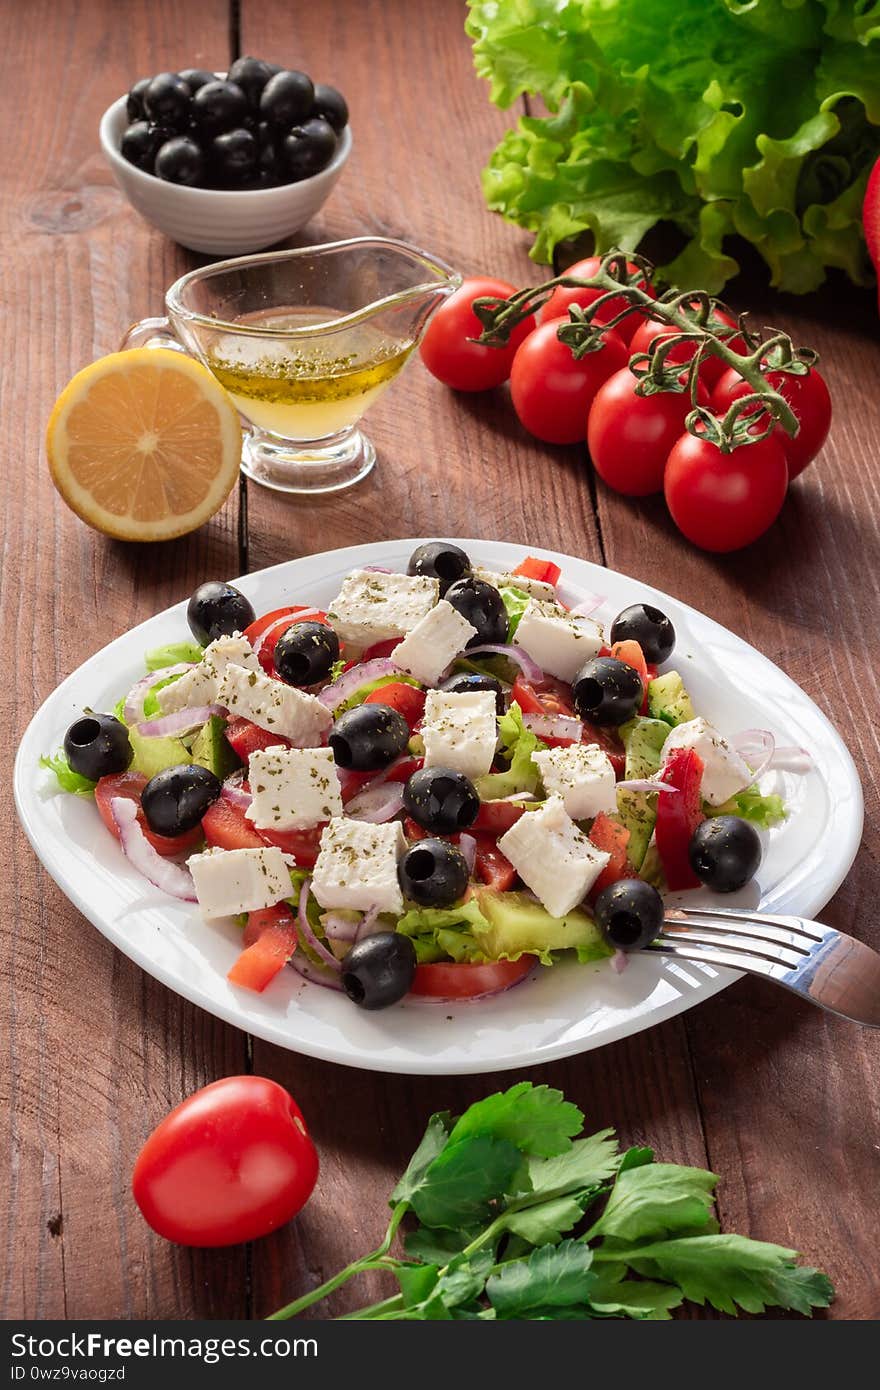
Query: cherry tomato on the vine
[
  {"x": 233, "y": 1162},
  {"x": 446, "y": 348},
  {"x": 563, "y": 297},
  {"x": 724, "y": 501},
  {"x": 712, "y": 367},
  {"x": 552, "y": 390},
  {"x": 808, "y": 397},
  {"x": 629, "y": 437}
]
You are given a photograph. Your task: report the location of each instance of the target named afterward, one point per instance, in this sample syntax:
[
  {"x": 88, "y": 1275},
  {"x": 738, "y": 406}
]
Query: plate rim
[{"x": 23, "y": 791}]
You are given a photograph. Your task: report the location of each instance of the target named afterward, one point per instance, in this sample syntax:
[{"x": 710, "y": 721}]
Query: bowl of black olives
[{"x": 227, "y": 163}]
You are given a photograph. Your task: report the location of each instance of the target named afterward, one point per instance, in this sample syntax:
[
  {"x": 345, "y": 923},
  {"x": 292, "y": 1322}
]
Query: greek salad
[{"x": 448, "y": 779}]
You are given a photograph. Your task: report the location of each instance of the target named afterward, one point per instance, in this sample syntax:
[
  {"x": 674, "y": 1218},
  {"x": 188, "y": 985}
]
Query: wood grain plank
[
  {"x": 790, "y": 1098},
  {"x": 448, "y": 466},
  {"x": 98, "y": 1051}
]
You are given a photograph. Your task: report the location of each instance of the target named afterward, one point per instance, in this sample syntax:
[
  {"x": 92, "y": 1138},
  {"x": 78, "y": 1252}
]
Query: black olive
[
  {"x": 97, "y": 745},
  {"x": 305, "y": 652},
  {"x": 287, "y": 99},
  {"x": 308, "y": 148},
  {"x": 217, "y": 610},
  {"x": 649, "y": 627},
  {"x": 441, "y": 800},
  {"x": 368, "y": 737},
  {"x": 379, "y": 970},
  {"x": 483, "y": 607},
  {"x": 140, "y": 143},
  {"x": 196, "y": 78},
  {"x": 134, "y": 106},
  {"x": 630, "y": 913},
  {"x": 234, "y": 155},
  {"x": 175, "y": 800},
  {"x": 467, "y": 681},
  {"x": 725, "y": 853},
  {"x": 219, "y": 106},
  {"x": 331, "y": 106},
  {"x": 607, "y": 691},
  {"x": 433, "y": 873},
  {"x": 167, "y": 101},
  {"x": 180, "y": 160},
  {"x": 439, "y": 560},
  {"x": 251, "y": 75}
]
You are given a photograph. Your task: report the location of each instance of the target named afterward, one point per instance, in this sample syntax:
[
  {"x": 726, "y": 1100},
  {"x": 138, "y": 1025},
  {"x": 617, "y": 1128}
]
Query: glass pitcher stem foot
[{"x": 307, "y": 469}]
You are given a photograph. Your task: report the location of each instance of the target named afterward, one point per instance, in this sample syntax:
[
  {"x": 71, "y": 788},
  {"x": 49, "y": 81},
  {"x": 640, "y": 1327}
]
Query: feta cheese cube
[
  {"x": 582, "y": 776},
  {"x": 435, "y": 641},
  {"x": 538, "y": 588},
  {"x": 357, "y": 865},
  {"x": 558, "y": 643},
  {"x": 724, "y": 771},
  {"x": 459, "y": 730},
  {"x": 239, "y": 880},
  {"x": 199, "y": 686},
  {"x": 293, "y": 788},
  {"x": 279, "y": 709},
  {"x": 553, "y": 857},
  {"x": 372, "y": 607}
]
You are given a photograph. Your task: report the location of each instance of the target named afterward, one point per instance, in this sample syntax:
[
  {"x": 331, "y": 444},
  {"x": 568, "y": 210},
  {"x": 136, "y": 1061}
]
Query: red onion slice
[
  {"x": 377, "y": 569},
  {"x": 181, "y": 722},
  {"x": 376, "y": 804},
  {"x": 339, "y": 928},
  {"x": 791, "y": 760},
  {"x": 756, "y": 747},
  {"x": 172, "y": 878},
  {"x": 133, "y": 709},
  {"x": 233, "y": 791},
  {"x": 305, "y": 927},
  {"x": 369, "y": 923},
  {"x": 313, "y": 973},
  {"x": 554, "y": 725},
  {"x": 306, "y": 616},
  {"x": 644, "y": 784},
  {"x": 468, "y": 846},
  {"x": 586, "y": 605},
  {"x": 366, "y": 671},
  {"x": 530, "y": 669},
  {"x": 619, "y": 962}
]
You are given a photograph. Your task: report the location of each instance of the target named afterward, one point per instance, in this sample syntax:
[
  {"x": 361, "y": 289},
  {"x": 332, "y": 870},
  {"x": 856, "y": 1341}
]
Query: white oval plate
[{"x": 556, "y": 1012}]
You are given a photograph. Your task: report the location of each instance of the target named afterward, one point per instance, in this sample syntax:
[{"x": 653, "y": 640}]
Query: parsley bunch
[{"x": 520, "y": 1218}]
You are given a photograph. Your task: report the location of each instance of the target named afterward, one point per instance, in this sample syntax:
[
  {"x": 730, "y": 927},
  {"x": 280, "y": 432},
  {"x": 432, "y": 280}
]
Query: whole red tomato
[
  {"x": 552, "y": 390},
  {"x": 232, "y": 1162},
  {"x": 808, "y": 397},
  {"x": 724, "y": 501},
  {"x": 712, "y": 367},
  {"x": 446, "y": 348},
  {"x": 563, "y": 297},
  {"x": 629, "y": 437}
]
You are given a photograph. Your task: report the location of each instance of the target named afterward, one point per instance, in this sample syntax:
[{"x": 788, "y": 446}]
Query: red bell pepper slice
[
  {"x": 246, "y": 738},
  {"x": 270, "y": 941},
  {"x": 609, "y": 835},
  {"x": 533, "y": 568},
  {"x": 678, "y": 815}
]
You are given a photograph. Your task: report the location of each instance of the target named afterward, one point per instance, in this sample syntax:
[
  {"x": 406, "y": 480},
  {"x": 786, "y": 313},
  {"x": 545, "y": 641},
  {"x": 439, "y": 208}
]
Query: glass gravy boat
[{"x": 304, "y": 341}]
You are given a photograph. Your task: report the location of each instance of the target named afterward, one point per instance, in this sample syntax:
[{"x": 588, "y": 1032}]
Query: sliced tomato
[
  {"x": 550, "y": 697},
  {"x": 246, "y": 738},
  {"x": 226, "y": 826},
  {"x": 533, "y": 568},
  {"x": 408, "y": 700},
  {"x": 402, "y": 771},
  {"x": 609, "y": 835},
  {"x": 678, "y": 815},
  {"x": 491, "y": 866},
  {"x": 297, "y": 613},
  {"x": 270, "y": 941},
  {"x": 380, "y": 649},
  {"x": 450, "y": 980},
  {"x": 130, "y": 785},
  {"x": 495, "y": 817},
  {"x": 302, "y": 844}
]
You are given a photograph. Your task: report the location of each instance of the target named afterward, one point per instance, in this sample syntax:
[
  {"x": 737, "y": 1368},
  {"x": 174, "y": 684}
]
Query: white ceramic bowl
[{"x": 220, "y": 222}]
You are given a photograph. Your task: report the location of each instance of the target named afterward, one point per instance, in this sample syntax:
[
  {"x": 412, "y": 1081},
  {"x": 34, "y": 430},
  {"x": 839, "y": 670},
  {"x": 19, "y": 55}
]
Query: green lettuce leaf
[
  {"x": 515, "y": 602},
  {"x": 717, "y": 116},
  {"x": 518, "y": 744},
  {"x": 68, "y": 780},
  {"x": 171, "y": 654},
  {"x": 762, "y": 811}
]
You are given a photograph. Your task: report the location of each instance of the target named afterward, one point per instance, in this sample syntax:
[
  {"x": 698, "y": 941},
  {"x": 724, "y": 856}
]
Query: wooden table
[{"x": 779, "y": 1099}]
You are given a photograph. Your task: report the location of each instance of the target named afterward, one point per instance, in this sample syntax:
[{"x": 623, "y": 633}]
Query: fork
[{"x": 825, "y": 966}]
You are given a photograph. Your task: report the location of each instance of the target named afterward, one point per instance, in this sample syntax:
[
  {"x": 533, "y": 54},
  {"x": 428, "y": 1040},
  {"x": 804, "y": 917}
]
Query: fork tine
[
  {"x": 814, "y": 931},
  {"x": 749, "y": 948},
  {"x": 765, "y": 934},
  {"x": 730, "y": 959}
]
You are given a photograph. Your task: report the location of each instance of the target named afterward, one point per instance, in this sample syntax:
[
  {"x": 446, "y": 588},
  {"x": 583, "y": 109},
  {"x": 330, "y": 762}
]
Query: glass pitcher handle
[{"x": 151, "y": 333}]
